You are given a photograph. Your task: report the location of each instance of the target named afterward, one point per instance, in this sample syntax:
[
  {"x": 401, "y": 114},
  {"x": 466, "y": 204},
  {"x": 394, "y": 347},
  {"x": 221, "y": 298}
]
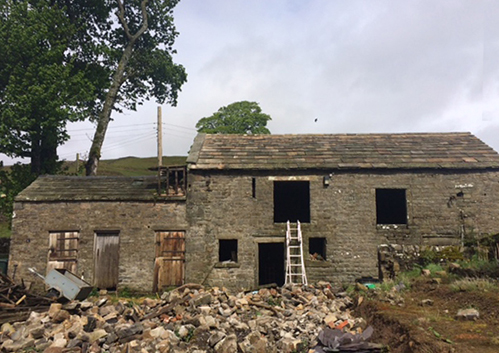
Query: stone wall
[
  {"x": 135, "y": 221},
  {"x": 442, "y": 209}
]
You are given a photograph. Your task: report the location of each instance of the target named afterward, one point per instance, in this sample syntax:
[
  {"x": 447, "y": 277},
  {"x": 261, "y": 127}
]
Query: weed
[
  {"x": 125, "y": 292},
  {"x": 274, "y": 301},
  {"x": 434, "y": 268},
  {"x": 474, "y": 285}
]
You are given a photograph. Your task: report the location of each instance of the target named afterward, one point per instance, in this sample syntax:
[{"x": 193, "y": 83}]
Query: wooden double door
[{"x": 169, "y": 263}]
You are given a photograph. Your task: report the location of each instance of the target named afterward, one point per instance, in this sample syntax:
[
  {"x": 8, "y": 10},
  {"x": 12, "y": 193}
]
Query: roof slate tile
[{"x": 354, "y": 151}]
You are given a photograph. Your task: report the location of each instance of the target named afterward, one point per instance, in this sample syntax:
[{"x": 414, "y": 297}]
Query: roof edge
[{"x": 198, "y": 143}]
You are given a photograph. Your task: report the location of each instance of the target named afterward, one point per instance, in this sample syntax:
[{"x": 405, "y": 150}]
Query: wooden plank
[{"x": 106, "y": 260}]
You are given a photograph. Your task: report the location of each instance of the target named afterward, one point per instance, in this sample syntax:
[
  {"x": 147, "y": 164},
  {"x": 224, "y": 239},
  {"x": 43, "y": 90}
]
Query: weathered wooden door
[
  {"x": 170, "y": 259},
  {"x": 63, "y": 251},
  {"x": 106, "y": 259}
]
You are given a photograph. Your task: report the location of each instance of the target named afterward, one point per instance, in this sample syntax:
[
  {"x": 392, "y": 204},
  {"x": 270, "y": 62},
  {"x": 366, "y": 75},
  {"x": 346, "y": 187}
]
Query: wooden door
[
  {"x": 63, "y": 251},
  {"x": 170, "y": 259},
  {"x": 106, "y": 259}
]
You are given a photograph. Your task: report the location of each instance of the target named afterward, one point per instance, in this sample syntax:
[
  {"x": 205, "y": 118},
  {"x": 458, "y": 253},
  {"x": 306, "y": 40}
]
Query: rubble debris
[
  {"x": 336, "y": 340},
  {"x": 192, "y": 318},
  {"x": 16, "y": 302}
]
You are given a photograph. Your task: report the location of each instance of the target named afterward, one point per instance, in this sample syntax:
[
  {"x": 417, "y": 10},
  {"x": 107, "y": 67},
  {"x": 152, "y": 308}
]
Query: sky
[{"x": 366, "y": 66}]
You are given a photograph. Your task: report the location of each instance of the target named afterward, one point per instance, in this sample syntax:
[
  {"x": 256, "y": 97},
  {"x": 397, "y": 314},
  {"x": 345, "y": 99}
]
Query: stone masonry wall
[
  {"x": 135, "y": 221},
  {"x": 442, "y": 208}
]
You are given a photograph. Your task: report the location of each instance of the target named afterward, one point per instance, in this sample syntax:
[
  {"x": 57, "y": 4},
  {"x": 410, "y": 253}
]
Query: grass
[
  {"x": 4, "y": 230},
  {"x": 474, "y": 285}
]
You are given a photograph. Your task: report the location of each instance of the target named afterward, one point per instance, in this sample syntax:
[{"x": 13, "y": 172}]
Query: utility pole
[{"x": 160, "y": 147}]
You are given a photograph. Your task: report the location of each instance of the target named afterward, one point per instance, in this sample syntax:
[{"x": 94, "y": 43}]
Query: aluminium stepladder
[{"x": 295, "y": 265}]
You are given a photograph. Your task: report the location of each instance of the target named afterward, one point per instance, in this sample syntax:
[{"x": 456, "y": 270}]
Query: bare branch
[{"x": 121, "y": 16}]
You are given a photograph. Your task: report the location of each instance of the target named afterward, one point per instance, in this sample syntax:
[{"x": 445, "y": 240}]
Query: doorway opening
[{"x": 271, "y": 263}]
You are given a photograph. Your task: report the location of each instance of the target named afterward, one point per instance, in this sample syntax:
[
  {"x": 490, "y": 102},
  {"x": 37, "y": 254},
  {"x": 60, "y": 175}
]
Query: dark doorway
[
  {"x": 291, "y": 201},
  {"x": 271, "y": 263}
]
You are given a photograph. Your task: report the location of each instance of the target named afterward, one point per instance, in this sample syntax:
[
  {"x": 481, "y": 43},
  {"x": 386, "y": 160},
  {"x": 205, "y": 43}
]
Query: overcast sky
[{"x": 355, "y": 66}]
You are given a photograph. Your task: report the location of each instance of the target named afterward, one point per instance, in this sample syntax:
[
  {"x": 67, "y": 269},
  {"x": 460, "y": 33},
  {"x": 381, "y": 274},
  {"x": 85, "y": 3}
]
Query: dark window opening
[
  {"x": 253, "y": 187},
  {"x": 291, "y": 201},
  {"x": 391, "y": 206},
  {"x": 271, "y": 263},
  {"x": 227, "y": 250},
  {"x": 317, "y": 248}
]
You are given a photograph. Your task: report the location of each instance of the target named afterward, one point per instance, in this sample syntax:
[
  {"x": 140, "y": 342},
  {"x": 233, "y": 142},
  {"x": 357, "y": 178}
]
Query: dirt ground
[{"x": 416, "y": 328}]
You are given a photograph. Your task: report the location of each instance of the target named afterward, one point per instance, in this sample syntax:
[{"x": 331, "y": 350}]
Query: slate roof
[
  {"x": 98, "y": 188},
  {"x": 460, "y": 150}
]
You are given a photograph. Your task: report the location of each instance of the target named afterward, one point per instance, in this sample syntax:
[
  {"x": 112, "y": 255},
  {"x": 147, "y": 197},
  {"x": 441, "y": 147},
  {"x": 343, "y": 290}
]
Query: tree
[
  {"x": 67, "y": 60},
  {"x": 138, "y": 56},
  {"x": 41, "y": 85},
  {"x": 236, "y": 118}
]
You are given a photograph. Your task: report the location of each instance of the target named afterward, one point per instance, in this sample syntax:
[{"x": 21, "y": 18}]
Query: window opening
[
  {"x": 227, "y": 250},
  {"x": 391, "y": 206},
  {"x": 291, "y": 201},
  {"x": 317, "y": 248},
  {"x": 253, "y": 187},
  {"x": 63, "y": 250}
]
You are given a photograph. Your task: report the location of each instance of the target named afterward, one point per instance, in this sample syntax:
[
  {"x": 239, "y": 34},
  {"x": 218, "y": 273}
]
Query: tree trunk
[
  {"x": 118, "y": 79},
  {"x": 48, "y": 152},
  {"x": 36, "y": 160},
  {"x": 105, "y": 115}
]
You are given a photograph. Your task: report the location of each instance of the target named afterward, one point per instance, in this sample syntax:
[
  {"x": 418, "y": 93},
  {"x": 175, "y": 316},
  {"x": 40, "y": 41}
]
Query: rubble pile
[
  {"x": 16, "y": 302},
  {"x": 192, "y": 318}
]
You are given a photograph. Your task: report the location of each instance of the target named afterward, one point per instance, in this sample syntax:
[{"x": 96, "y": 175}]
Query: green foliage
[
  {"x": 11, "y": 183},
  {"x": 236, "y": 118},
  {"x": 434, "y": 268},
  {"x": 4, "y": 228},
  {"x": 125, "y": 292},
  {"x": 274, "y": 301},
  {"x": 42, "y": 86},
  {"x": 449, "y": 253}
]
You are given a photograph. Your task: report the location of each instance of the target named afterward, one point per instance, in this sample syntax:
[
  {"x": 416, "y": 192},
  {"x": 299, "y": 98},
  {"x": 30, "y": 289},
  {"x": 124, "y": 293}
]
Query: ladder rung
[
  {"x": 290, "y": 255},
  {"x": 294, "y": 246}
]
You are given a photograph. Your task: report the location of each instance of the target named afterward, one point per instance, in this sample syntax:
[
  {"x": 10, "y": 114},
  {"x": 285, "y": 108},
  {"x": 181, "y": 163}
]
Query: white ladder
[{"x": 295, "y": 266}]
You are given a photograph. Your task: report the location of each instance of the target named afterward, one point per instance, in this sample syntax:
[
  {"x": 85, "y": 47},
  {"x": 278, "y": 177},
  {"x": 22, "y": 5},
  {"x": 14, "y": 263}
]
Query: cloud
[{"x": 358, "y": 66}]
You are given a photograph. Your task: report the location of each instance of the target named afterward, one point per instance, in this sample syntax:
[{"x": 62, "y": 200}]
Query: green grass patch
[{"x": 5, "y": 230}]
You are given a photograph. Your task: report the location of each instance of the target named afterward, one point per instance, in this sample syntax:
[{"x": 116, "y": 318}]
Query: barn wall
[
  {"x": 441, "y": 208},
  {"x": 135, "y": 221}
]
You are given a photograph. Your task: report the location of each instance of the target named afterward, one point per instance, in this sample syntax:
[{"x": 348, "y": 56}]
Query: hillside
[{"x": 127, "y": 166}]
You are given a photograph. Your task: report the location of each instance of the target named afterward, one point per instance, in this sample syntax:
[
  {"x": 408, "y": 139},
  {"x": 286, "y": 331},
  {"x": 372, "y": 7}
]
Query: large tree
[
  {"x": 138, "y": 56},
  {"x": 42, "y": 85},
  {"x": 237, "y": 118},
  {"x": 65, "y": 60}
]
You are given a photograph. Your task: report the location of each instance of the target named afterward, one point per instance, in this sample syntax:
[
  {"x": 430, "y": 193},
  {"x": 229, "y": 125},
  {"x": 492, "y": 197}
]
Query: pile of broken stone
[{"x": 192, "y": 318}]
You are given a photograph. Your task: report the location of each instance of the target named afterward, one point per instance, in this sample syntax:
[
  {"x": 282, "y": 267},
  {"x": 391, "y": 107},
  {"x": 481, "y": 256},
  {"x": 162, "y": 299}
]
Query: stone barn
[
  {"x": 113, "y": 231},
  {"x": 350, "y": 192},
  {"x": 225, "y": 224}
]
